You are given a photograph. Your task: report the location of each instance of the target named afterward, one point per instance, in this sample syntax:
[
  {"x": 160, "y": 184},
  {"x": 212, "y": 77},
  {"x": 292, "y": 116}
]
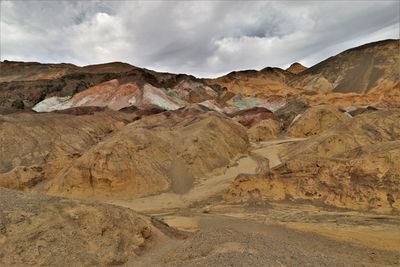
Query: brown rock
[
  {"x": 288, "y": 112},
  {"x": 296, "y": 68},
  {"x": 50, "y": 141},
  {"x": 354, "y": 165},
  {"x": 366, "y": 178},
  {"x": 251, "y": 116},
  {"x": 264, "y": 130},
  {"x": 43, "y": 230},
  {"x": 152, "y": 154},
  {"x": 364, "y": 129},
  {"x": 361, "y": 70},
  {"x": 315, "y": 120},
  {"x": 268, "y": 81}
]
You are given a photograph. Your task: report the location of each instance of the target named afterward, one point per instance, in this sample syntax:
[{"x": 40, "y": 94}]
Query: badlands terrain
[{"x": 114, "y": 164}]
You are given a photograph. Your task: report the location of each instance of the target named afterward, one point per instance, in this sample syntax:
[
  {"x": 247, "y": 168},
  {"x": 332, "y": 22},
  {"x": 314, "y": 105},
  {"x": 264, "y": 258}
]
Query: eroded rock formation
[{"x": 43, "y": 230}]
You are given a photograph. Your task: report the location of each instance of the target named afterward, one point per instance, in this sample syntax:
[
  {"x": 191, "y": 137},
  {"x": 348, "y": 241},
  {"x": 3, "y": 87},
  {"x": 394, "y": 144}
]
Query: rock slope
[
  {"x": 354, "y": 165},
  {"x": 296, "y": 68},
  {"x": 49, "y": 231},
  {"x": 315, "y": 120},
  {"x": 263, "y": 83},
  {"x": 365, "y": 129},
  {"x": 99, "y": 155},
  {"x": 36, "y": 146},
  {"x": 155, "y": 154},
  {"x": 376, "y": 66}
]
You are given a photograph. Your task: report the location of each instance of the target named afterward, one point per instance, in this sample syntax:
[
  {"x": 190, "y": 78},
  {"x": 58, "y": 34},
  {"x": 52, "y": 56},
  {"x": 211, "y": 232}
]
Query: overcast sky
[{"x": 201, "y": 38}]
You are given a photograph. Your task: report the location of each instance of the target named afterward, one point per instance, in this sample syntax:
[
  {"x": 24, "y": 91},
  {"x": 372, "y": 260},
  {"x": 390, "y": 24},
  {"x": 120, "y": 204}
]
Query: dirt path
[
  {"x": 364, "y": 229},
  {"x": 272, "y": 149},
  {"x": 227, "y": 241}
]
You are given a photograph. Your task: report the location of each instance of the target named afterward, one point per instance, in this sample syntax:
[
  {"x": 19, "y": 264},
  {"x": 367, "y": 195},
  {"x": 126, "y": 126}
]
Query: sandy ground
[
  {"x": 227, "y": 241},
  {"x": 203, "y": 189},
  {"x": 211, "y": 186},
  {"x": 272, "y": 149},
  {"x": 264, "y": 233}
]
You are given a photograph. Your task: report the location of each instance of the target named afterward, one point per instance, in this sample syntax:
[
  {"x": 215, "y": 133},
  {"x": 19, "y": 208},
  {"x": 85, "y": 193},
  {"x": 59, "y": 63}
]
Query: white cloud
[
  {"x": 102, "y": 38},
  {"x": 201, "y": 38}
]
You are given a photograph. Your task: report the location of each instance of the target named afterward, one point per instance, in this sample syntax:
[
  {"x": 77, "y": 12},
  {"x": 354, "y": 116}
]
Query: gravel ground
[{"x": 225, "y": 241}]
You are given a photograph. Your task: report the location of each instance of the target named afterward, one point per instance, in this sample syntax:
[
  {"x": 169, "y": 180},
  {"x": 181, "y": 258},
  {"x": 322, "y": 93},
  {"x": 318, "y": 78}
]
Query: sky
[{"x": 206, "y": 39}]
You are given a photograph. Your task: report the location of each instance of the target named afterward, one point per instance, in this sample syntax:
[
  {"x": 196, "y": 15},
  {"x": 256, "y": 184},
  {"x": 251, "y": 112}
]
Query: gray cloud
[{"x": 201, "y": 38}]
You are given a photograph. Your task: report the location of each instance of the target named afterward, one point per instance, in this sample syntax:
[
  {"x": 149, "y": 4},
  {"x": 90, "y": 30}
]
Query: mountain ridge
[{"x": 25, "y": 84}]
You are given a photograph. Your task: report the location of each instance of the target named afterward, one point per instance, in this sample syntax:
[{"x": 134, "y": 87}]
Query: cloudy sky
[{"x": 201, "y": 38}]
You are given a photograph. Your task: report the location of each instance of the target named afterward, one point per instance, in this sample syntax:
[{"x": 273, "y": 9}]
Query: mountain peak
[{"x": 296, "y": 68}]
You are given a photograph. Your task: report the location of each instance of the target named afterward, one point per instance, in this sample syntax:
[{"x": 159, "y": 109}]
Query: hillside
[
  {"x": 362, "y": 69},
  {"x": 296, "y": 68},
  {"x": 24, "y": 84},
  {"x": 376, "y": 66},
  {"x": 268, "y": 81}
]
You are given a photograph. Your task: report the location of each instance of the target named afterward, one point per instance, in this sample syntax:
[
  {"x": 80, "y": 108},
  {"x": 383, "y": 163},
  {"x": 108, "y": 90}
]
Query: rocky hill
[
  {"x": 354, "y": 165},
  {"x": 296, "y": 68},
  {"x": 363, "y": 69},
  {"x": 266, "y": 82},
  {"x": 118, "y": 85},
  {"x": 23, "y": 85},
  {"x": 41, "y": 230},
  {"x": 98, "y": 156}
]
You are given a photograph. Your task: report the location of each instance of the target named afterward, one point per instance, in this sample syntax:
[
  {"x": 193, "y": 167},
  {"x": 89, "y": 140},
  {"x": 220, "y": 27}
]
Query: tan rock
[
  {"x": 364, "y": 129},
  {"x": 264, "y": 130},
  {"x": 53, "y": 139},
  {"x": 315, "y": 120},
  {"x": 354, "y": 165},
  {"x": 263, "y": 83},
  {"x": 50, "y": 231},
  {"x": 364, "y": 178},
  {"x": 361, "y": 70},
  {"x": 22, "y": 178},
  {"x": 296, "y": 68},
  {"x": 153, "y": 155},
  {"x": 252, "y": 188}
]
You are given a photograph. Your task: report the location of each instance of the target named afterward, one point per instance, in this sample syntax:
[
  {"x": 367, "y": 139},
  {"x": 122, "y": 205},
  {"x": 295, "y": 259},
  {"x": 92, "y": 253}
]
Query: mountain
[
  {"x": 12, "y": 71},
  {"x": 24, "y": 84},
  {"x": 372, "y": 68},
  {"x": 296, "y": 68},
  {"x": 268, "y": 81},
  {"x": 370, "y": 72},
  {"x": 363, "y": 69}
]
